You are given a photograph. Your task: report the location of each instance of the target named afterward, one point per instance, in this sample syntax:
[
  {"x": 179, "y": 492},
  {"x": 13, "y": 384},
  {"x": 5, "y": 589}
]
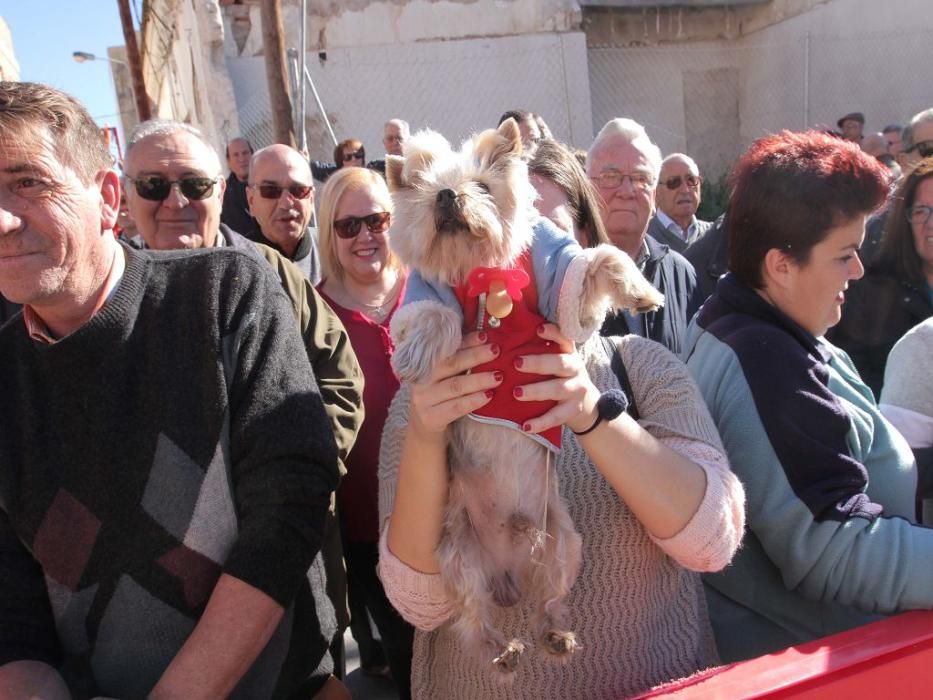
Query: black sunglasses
[
  {"x": 672, "y": 183},
  {"x": 924, "y": 148},
  {"x": 156, "y": 188},
  {"x": 351, "y": 156},
  {"x": 350, "y": 226},
  {"x": 268, "y": 191}
]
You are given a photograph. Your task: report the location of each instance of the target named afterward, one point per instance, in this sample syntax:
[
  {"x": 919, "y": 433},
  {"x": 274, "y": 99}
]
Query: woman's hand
[
  {"x": 417, "y": 519},
  {"x": 570, "y": 387},
  {"x": 450, "y": 393}
]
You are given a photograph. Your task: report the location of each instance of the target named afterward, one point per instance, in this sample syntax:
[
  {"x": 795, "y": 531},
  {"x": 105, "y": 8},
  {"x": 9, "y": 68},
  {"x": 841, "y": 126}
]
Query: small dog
[{"x": 464, "y": 224}]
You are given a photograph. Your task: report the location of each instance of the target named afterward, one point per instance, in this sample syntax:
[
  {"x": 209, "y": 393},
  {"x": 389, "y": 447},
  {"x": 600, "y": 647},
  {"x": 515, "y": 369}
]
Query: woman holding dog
[
  {"x": 364, "y": 284},
  {"x": 654, "y": 501}
]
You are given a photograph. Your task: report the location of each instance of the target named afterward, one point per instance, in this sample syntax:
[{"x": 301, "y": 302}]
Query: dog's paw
[
  {"x": 623, "y": 281},
  {"x": 424, "y": 333},
  {"x": 507, "y": 661},
  {"x": 560, "y": 644},
  {"x": 611, "y": 273}
]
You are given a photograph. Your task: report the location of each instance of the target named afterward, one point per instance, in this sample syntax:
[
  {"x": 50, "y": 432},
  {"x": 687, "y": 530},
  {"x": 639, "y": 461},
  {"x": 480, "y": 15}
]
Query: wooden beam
[
  {"x": 276, "y": 75},
  {"x": 143, "y": 108}
]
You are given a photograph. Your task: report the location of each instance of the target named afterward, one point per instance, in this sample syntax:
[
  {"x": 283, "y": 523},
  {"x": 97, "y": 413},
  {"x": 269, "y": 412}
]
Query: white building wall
[
  {"x": 453, "y": 66},
  {"x": 185, "y": 69},
  {"x": 455, "y": 87},
  {"x": 712, "y": 98}
]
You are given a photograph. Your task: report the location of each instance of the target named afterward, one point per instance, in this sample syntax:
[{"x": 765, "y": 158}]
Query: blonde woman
[{"x": 364, "y": 283}]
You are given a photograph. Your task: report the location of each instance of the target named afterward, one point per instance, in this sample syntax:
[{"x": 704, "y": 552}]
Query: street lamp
[{"x": 82, "y": 56}]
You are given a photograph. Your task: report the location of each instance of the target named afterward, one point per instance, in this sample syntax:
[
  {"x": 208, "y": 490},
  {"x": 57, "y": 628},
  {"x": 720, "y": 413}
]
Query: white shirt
[{"x": 672, "y": 226}]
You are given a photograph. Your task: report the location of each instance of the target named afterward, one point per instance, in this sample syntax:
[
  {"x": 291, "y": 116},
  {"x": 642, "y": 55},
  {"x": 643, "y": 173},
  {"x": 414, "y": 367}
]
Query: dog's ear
[
  {"x": 395, "y": 173},
  {"x": 419, "y": 160},
  {"x": 509, "y": 130},
  {"x": 495, "y": 144}
]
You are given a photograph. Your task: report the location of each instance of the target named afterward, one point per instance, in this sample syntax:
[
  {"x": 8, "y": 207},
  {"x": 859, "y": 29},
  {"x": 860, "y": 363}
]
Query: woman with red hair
[{"x": 831, "y": 537}]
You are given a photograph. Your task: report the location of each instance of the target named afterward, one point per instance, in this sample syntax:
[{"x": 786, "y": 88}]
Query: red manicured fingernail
[
  {"x": 519, "y": 361},
  {"x": 518, "y": 392},
  {"x": 526, "y": 427},
  {"x": 489, "y": 393},
  {"x": 498, "y": 376},
  {"x": 540, "y": 329},
  {"x": 495, "y": 349},
  {"x": 482, "y": 337}
]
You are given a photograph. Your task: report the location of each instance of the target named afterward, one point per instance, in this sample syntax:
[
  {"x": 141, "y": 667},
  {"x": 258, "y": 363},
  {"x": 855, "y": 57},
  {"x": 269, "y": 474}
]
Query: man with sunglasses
[
  {"x": 624, "y": 165},
  {"x": 678, "y": 197},
  {"x": 281, "y": 198},
  {"x": 917, "y": 140},
  {"x": 166, "y": 460},
  {"x": 174, "y": 176}
]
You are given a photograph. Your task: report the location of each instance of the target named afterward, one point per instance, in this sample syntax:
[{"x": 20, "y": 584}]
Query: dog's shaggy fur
[{"x": 507, "y": 532}]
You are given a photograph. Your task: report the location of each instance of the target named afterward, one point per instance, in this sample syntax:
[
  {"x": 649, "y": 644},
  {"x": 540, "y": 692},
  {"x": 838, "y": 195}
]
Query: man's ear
[
  {"x": 222, "y": 183},
  {"x": 109, "y": 199}
]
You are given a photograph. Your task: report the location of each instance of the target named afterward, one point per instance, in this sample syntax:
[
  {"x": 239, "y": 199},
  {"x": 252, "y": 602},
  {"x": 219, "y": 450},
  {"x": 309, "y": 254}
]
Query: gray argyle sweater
[{"x": 176, "y": 436}]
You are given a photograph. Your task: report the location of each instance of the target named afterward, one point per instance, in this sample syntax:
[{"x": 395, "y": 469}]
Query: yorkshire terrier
[{"x": 481, "y": 259}]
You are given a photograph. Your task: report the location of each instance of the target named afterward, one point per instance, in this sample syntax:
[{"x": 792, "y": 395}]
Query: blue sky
[{"x": 45, "y": 32}]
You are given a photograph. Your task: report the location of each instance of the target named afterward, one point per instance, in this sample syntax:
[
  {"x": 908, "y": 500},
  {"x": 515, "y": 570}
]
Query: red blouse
[{"x": 358, "y": 493}]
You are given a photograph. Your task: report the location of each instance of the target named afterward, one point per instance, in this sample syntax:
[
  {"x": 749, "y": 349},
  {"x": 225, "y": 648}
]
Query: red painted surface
[{"x": 891, "y": 659}]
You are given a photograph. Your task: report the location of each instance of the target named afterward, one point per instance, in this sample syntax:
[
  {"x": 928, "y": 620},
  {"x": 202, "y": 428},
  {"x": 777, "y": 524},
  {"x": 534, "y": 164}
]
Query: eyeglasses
[
  {"x": 350, "y": 156},
  {"x": 271, "y": 191},
  {"x": 924, "y": 148},
  {"x": 394, "y": 139},
  {"x": 611, "y": 179},
  {"x": 350, "y": 226},
  {"x": 673, "y": 183},
  {"x": 157, "y": 189},
  {"x": 919, "y": 215}
]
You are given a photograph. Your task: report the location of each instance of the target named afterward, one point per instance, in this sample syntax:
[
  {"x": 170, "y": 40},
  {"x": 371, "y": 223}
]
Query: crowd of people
[{"x": 209, "y": 468}]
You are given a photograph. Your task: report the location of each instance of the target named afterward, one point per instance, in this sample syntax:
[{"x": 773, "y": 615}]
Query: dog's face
[{"x": 457, "y": 210}]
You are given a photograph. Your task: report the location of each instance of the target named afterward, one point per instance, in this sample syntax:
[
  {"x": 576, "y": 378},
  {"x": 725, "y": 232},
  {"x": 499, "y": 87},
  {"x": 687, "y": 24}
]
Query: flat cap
[{"x": 854, "y": 116}]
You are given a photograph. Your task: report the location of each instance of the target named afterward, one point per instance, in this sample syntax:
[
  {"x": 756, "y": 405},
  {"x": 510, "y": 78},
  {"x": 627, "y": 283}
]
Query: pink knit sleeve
[
  {"x": 419, "y": 598},
  {"x": 709, "y": 540}
]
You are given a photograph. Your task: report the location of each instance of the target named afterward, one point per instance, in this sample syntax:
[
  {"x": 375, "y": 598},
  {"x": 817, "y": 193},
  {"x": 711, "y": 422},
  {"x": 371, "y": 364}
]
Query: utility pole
[
  {"x": 274, "y": 49},
  {"x": 135, "y": 64}
]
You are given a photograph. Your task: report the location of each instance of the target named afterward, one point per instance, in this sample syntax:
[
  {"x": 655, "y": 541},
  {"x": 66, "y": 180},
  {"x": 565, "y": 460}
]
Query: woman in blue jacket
[{"x": 831, "y": 540}]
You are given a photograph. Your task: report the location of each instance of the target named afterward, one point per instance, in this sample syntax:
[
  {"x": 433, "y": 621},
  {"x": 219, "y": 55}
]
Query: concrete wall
[
  {"x": 455, "y": 87},
  {"x": 453, "y": 66},
  {"x": 784, "y": 65},
  {"x": 342, "y": 24},
  {"x": 9, "y": 66},
  {"x": 184, "y": 66}
]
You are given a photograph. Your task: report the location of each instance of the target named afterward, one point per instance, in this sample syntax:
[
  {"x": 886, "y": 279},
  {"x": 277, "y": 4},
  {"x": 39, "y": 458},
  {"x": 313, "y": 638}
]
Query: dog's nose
[{"x": 446, "y": 197}]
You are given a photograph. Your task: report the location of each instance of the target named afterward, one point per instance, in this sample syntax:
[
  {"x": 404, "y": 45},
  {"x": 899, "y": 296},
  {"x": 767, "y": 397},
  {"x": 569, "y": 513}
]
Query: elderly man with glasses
[
  {"x": 624, "y": 164},
  {"x": 916, "y": 140},
  {"x": 678, "y": 198},
  {"x": 174, "y": 194}
]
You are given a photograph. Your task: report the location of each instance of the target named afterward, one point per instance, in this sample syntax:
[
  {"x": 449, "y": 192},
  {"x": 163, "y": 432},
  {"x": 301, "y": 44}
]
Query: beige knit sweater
[{"x": 637, "y": 608}]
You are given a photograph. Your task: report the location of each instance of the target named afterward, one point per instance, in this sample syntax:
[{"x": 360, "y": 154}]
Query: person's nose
[
  {"x": 9, "y": 222},
  {"x": 858, "y": 268},
  {"x": 365, "y": 234},
  {"x": 175, "y": 199},
  {"x": 626, "y": 188}
]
